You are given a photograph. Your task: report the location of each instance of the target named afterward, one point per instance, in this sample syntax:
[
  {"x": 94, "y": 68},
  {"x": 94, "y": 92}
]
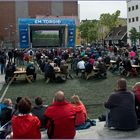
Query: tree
[
  {"x": 89, "y": 30},
  {"x": 107, "y": 23},
  {"x": 134, "y": 35},
  {"x": 110, "y": 20}
]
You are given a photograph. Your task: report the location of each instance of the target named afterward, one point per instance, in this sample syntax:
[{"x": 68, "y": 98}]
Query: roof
[{"x": 117, "y": 33}]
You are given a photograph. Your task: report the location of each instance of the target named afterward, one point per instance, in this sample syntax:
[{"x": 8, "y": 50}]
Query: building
[
  {"x": 10, "y": 11},
  {"x": 117, "y": 36},
  {"x": 133, "y": 18}
]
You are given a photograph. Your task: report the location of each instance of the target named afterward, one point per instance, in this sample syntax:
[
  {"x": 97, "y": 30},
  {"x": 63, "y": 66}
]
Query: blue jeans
[{"x": 2, "y": 68}]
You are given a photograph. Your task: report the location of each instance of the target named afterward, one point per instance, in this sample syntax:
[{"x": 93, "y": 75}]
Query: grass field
[{"x": 93, "y": 92}]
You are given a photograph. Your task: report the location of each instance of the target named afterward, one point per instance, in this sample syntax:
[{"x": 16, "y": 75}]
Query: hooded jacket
[
  {"x": 81, "y": 114},
  {"x": 60, "y": 120},
  {"x": 26, "y": 127}
]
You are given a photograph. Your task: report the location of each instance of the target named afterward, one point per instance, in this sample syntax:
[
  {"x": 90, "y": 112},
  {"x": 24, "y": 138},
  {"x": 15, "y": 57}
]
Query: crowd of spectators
[
  {"x": 27, "y": 120},
  {"x": 82, "y": 60},
  {"x": 62, "y": 118}
]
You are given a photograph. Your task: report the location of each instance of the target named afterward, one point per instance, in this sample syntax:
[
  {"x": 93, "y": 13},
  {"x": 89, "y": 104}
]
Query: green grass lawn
[{"x": 92, "y": 92}]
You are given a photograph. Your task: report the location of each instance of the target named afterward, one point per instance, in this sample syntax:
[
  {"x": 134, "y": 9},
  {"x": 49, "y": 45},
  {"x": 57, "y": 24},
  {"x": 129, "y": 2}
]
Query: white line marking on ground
[{"x": 5, "y": 91}]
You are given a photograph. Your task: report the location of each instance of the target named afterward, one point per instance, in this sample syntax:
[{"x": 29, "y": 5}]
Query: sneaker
[{"x": 112, "y": 128}]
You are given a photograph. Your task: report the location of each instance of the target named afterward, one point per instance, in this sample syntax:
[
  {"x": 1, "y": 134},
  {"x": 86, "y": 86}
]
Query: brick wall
[
  {"x": 70, "y": 8},
  {"x": 9, "y": 12},
  {"x": 7, "y": 16},
  {"x": 39, "y": 8}
]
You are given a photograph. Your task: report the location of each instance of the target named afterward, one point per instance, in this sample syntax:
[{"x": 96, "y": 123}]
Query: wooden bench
[
  {"x": 21, "y": 75},
  {"x": 93, "y": 72}
]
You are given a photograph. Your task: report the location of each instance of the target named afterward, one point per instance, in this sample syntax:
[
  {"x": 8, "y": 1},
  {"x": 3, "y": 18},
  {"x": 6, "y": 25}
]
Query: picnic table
[
  {"x": 59, "y": 73},
  {"x": 21, "y": 73},
  {"x": 136, "y": 69},
  {"x": 135, "y": 66},
  {"x": 112, "y": 63},
  {"x": 93, "y": 72}
]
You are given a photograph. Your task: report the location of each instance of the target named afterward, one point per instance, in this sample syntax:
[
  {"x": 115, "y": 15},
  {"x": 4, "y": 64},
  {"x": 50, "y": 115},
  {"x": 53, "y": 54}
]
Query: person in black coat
[
  {"x": 9, "y": 71},
  {"x": 121, "y": 105},
  {"x": 49, "y": 72},
  {"x": 39, "y": 110}
]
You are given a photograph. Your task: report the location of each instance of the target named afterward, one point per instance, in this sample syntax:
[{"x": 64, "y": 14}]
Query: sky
[{"x": 93, "y": 9}]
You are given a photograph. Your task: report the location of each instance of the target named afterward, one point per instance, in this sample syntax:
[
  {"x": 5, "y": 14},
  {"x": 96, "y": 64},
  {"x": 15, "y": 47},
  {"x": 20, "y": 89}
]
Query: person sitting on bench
[
  {"x": 80, "y": 66},
  {"x": 49, "y": 72},
  {"x": 30, "y": 70},
  {"x": 102, "y": 69},
  {"x": 9, "y": 71}
]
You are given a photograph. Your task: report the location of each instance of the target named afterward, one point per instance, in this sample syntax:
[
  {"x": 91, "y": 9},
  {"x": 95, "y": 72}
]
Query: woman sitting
[
  {"x": 81, "y": 113},
  {"x": 6, "y": 110},
  {"x": 30, "y": 70},
  {"x": 25, "y": 125}
]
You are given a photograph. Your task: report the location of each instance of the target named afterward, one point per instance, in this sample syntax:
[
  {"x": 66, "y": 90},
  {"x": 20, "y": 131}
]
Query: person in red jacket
[
  {"x": 60, "y": 118},
  {"x": 81, "y": 113},
  {"x": 25, "y": 125},
  {"x": 136, "y": 90}
]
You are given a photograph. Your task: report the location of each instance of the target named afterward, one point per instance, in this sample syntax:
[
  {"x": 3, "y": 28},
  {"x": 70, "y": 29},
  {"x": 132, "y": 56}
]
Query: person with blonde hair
[
  {"x": 5, "y": 111},
  {"x": 81, "y": 113}
]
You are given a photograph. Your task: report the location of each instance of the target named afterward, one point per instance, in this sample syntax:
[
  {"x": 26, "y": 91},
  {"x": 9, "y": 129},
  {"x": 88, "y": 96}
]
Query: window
[
  {"x": 129, "y": 9},
  {"x": 132, "y": 8},
  {"x": 133, "y": 19},
  {"x": 136, "y": 6},
  {"x": 137, "y": 18},
  {"x": 129, "y": 20}
]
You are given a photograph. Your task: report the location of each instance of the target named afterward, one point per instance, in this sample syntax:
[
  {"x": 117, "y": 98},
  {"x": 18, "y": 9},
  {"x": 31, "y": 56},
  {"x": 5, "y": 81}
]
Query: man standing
[
  {"x": 3, "y": 62},
  {"x": 60, "y": 118}
]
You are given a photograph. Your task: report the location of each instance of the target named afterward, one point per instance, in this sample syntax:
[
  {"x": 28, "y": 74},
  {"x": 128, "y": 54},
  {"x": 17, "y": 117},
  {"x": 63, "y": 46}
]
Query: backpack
[
  {"x": 5, "y": 130},
  {"x": 2, "y": 106}
]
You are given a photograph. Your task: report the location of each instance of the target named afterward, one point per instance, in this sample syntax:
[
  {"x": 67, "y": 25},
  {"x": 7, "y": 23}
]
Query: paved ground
[
  {"x": 102, "y": 133},
  {"x": 2, "y": 81},
  {"x": 99, "y": 132}
]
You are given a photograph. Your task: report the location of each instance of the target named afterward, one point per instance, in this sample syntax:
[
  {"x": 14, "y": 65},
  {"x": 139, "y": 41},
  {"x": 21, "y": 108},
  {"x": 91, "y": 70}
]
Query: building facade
[
  {"x": 10, "y": 11},
  {"x": 133, "y": 18},
  {"x": 117, "y": 36}
]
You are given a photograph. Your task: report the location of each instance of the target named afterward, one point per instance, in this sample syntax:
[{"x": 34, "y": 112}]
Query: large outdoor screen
[{"x": 45, "y": 38}]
